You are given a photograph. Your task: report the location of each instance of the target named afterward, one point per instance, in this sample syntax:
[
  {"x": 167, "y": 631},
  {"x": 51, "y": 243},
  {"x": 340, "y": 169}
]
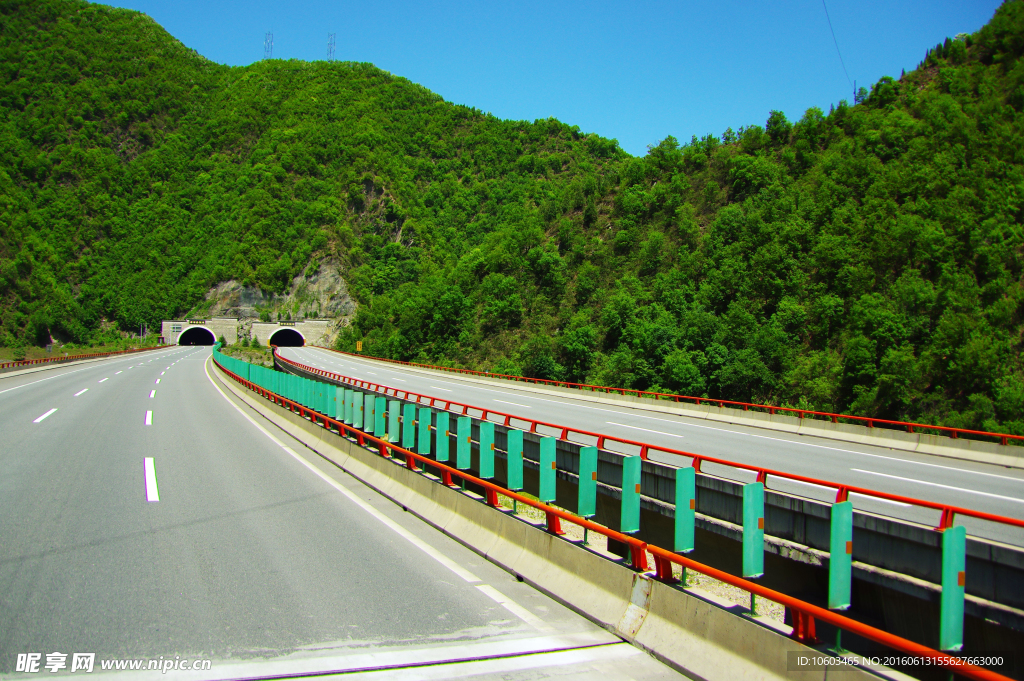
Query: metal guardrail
[
  {"x": 805, "y": 613},
  {"x": 870, "y": 422},
  {"x": 75, "y": 358},
  {"x": 948, "y": 512}
]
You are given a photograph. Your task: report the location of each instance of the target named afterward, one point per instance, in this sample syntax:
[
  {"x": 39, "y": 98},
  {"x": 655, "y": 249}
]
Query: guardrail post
[
  {"x": 686, "y": 509},
  {"x": 954, "y": 576},
  {"x": 337, "y": 401},
  {"x": 368, "y": 416},
  {"x": 441, "y": 437},
  {"x": 548, "y": 471},
  {"x": 753, "y": 535},
  {"x": 753, "y": 530},
  {"x": 380, "y": 406},
  {"x": 586, "y": 504},
  {"x": 409, "y": 426},
  {"x": 424, "y": 427},
  {"x": 464, "y": 444},
  {"x": 629, "y": 516},
  {"x": 514, "y": 463},
  {"x": 394, "y": 412},
  {"x": 486, "y": 450},
  {"x": 358, "y": 409},
  {"x": 840, "y": 560}
]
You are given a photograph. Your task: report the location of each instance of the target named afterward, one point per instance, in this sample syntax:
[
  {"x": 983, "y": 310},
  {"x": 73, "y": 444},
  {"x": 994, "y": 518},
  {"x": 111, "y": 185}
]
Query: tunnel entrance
[
  {"x": 286, "y": 338},
  {"x": 196, "y": 335}
]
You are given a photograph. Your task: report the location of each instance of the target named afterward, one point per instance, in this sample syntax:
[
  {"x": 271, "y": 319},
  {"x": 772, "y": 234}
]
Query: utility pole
[
  {"x": 330, "y": 47},
  {"x": 268, "y": 46}
]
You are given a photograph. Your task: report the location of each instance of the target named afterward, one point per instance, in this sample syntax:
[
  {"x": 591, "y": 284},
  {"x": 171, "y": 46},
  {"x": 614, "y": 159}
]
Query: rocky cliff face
[{"x": 320, "y": 293}]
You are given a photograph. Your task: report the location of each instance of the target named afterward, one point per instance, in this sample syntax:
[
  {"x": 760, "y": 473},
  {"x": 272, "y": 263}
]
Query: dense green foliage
[{"x": 864, "y": 260}]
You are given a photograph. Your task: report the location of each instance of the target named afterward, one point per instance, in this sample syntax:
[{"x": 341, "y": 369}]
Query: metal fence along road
[
  {"x": 947, "y": 512},
  {"x": 870, "y": 422},
  {"x": 262, "y": 381},
  {"x": 75, "y": 358}
]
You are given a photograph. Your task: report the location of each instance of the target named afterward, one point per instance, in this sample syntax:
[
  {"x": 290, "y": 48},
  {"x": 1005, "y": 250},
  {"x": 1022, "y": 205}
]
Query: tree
[{"x": 778, "y": 127}]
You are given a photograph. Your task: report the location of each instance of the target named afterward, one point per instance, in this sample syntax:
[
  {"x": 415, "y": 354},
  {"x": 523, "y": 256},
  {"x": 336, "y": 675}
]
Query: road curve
[
  {"x": 145, "y": 513},
  {"x": 979, "y": 486}
]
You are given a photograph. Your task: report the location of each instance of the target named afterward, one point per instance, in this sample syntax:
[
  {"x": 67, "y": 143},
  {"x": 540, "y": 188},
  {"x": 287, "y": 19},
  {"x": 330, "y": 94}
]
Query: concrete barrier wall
[
  {"x": 897, "y": 563},
  {"x": 683, "y": 627}
]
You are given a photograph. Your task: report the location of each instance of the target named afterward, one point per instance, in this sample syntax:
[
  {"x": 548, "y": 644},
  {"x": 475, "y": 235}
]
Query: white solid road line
[
  {"x": 81, "y": 391},
  {"x": 149, "y": 418},
  {"x": 152, "y": 494},
  {"x": 103, "y": 379},
  {"x": 514, "y": 608},
  {"x": 514, "y": 404},
  {"x": 152, "y": 394},
  {"x": 884, "y": 501},
  {"x": 646, "y": 430},
  {"x": 392, "y": 525},
  {"x": 44, "y": 416},
  {"x": 936, "y": 484}
]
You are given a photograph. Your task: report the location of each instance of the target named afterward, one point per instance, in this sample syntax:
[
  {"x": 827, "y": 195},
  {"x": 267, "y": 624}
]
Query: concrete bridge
[{"x": 283, "y": 333}]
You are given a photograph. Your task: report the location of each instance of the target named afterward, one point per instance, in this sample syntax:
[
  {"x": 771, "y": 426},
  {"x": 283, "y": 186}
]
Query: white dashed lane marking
[{"x": 44, "y": 416}]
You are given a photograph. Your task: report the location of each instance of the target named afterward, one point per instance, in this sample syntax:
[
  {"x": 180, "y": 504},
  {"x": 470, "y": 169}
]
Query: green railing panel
[
  {"x": 629, "y": 516},
  {"x": 486, "y": 450},
  {"x": 380, "y": 407},
  {"x": 442, "y": 436},
  {"x": 394, "y": 419},
  {"x": 686, "y": 509},
  {"x": 753, "y": 529},
  {"x": 464, "y": 443},
  {"x": 547, "y": 489},
  {"x": 426, "y": 415},
  {"x": 586, "y": 505},
  {"x": 409, "y": 426},
  {"x": 954, "y": 578},
  {"x": 840, "y": 559},
  {"x": 514, "y": 460}
]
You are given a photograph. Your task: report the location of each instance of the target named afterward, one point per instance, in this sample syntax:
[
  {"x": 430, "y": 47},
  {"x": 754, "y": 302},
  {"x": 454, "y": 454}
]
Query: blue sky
[{"x": 633, "y": 71}]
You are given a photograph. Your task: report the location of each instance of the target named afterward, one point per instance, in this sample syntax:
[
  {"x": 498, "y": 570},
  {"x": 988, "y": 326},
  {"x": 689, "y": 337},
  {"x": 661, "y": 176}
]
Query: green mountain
[{"x": 865, "y": 260}]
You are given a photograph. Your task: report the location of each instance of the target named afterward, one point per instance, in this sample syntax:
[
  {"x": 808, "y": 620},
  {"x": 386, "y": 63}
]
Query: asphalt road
[
  {"x": 983, "y": 487},
  {"x": 146, "y": 514}
]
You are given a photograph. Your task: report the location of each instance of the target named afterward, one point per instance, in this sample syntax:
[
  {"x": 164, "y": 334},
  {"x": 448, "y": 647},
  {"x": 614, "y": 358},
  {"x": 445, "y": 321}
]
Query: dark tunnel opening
[
  {"x": 287, "y": 338},
  {"x": 197, "y": 335}
]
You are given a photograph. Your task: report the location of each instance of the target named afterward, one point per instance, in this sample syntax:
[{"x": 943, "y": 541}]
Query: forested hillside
[{"x": 867, "y": 259}]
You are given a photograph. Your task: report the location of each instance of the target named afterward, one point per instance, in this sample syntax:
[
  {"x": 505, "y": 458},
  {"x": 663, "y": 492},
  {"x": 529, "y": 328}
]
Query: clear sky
[{"x": 632, "y": 70}]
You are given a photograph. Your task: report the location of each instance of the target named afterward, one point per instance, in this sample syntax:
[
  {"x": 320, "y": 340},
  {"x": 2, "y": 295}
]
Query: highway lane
[
  {"x": 984, "y": 487},
  {"x": 234, "y": 543}
]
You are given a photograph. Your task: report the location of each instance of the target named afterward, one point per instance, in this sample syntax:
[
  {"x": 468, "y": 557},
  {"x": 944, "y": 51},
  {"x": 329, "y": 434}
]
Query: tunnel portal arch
[
  {"x": 196, "y": 335},
  {"x": 287, "y": 338}
]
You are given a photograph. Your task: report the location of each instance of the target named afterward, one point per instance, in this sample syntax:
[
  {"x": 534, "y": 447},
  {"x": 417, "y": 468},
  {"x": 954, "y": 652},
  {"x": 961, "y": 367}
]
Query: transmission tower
[
  {"x": 268, "y": 46},
  {"x": 330, "y": 47}
]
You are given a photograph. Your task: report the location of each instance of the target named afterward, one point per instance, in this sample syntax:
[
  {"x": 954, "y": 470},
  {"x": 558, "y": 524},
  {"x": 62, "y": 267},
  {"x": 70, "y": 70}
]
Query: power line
[{"x": 837, "y": 44}]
